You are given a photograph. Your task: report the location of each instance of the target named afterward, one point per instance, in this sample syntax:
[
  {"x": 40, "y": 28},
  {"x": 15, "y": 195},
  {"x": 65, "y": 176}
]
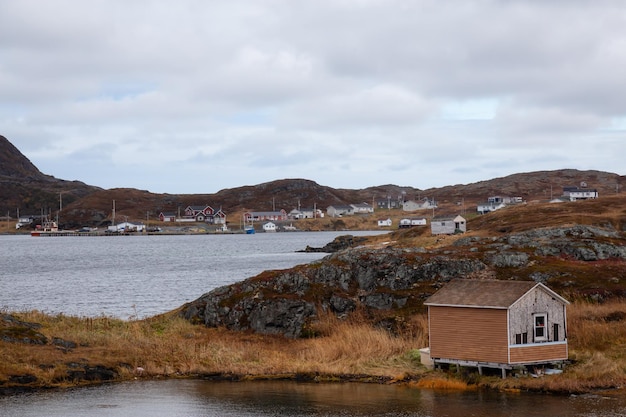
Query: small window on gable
[{"x": 541, "y": 329}]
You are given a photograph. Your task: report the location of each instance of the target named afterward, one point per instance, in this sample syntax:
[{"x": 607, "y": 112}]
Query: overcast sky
[{"x": 194, "y": 96}]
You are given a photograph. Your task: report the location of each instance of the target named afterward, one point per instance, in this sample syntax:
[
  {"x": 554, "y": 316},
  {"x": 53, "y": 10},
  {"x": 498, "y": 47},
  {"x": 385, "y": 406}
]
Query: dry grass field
[{"x": 354, "y": 350}]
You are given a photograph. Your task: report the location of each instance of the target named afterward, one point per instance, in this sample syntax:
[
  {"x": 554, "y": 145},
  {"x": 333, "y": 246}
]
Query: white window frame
[{"x": 544, "y": 337}]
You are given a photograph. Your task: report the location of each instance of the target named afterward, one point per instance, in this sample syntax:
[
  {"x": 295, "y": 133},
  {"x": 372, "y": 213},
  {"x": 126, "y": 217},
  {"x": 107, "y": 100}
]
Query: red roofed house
[{"x": 497, "y": 324}]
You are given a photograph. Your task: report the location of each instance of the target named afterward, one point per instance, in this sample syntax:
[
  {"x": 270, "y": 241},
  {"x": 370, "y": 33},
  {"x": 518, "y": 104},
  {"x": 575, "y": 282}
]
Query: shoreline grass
[{"x": 350, "y": 350}]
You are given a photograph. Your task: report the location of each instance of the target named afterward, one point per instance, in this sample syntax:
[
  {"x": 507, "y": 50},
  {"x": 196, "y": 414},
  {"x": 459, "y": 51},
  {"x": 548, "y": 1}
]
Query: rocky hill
[
  {"x": 23, "y": 187},
  {"x": 578, "y": 249}
]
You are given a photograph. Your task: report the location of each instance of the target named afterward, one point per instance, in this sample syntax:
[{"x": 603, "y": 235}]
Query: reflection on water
[{"x": 242, "y": 399}]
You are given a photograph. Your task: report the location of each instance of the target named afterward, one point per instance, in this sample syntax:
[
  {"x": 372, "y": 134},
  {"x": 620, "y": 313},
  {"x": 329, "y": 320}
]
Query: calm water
[
  {"x": 122, "y": 276},
  {"x": 146, "y": 275},
  {"x": 200, "y": 398}
]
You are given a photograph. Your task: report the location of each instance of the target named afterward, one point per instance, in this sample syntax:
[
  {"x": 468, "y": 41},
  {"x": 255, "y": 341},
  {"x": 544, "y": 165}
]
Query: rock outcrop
[{"x": 391, "y": 283}]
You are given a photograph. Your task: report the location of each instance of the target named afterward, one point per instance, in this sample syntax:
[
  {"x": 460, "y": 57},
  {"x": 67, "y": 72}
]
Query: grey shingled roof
[{"x": 480, "y": 293}]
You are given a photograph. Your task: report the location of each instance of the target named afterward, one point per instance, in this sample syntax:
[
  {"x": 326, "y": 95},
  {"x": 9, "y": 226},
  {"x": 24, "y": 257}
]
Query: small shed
[
  {"x": 497, "y": 324},
  {"x": 448, "y": 225}
]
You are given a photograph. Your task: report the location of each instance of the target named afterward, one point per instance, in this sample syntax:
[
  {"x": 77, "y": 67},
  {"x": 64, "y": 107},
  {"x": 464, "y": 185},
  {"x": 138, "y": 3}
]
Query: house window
[
  {"x": 521, "y": 338},
  {"x": 555, "y": 332},
  {"x": 541, "y": 329}
]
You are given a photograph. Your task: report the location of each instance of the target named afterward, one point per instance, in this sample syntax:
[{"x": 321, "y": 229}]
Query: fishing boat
[
  {"x": 50, "y": 228},
  {"x": 249, "y": 230}
]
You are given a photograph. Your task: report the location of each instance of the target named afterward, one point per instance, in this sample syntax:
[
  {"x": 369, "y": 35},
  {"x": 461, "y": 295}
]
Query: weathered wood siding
[
  {"x": 471, "y": 334},
  {"x": 440, "y": 227},
  {"x": 539, "y": 352},
  {"x": 537, "y": 301}
]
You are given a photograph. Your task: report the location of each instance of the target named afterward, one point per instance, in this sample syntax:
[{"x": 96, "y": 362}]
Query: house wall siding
[
  {"x": 471, "y": 334},
  {"x": 537, "y": 301},
  {"x": 539, "y": 352},
  {"x": 439, "y": 227}
]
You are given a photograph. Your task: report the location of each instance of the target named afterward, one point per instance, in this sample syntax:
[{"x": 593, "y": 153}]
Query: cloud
[{"x": 346, "y": 93}]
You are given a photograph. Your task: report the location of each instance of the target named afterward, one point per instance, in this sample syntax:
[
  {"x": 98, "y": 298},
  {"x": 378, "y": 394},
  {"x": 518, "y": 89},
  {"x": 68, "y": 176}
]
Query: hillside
[
  {"x": 25, "y": 188},
  {"x": 576, "y": 248}
]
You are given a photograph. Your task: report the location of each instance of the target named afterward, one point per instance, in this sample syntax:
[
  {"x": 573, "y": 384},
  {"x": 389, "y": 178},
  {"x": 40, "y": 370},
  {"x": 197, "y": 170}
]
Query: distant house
[
  {"x": 219, "y": 217},
  {"x": 257, "y": 216},
  {"x": 388, "y": 203},
  {"x": 497, "y": 202},
  {"x": 497, "y": 324},
  {"x": 506, "y": 200},
  {"x": 575, "y": 193},
  {"x": 25, "y": 220},
  {"x": 167, "y": 217},
  {"x": 488, "y": 207},
  {"x": 411, "y": 222},
  {"x": 411, "y": 205},
  {"x": 303, "y": 213},
  {"x": 448, "y": 225},
  {"x": 385, "y": 222},
  {"x": 340, "y": 210},
  {"x": 269, "y": 227},
  {"x": 362, "y": 208},
  {"x": 126, "y": 227}
]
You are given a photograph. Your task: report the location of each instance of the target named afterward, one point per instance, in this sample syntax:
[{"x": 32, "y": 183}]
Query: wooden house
[
  {"x": 448, "y": 225},
  {"x": 497, "y": 324}
]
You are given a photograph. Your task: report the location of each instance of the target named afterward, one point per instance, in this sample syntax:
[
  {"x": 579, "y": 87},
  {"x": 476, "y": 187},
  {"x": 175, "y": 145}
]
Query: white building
[
  {"x": 384, "y": 222},
  {"x": 269, "y": 227}
]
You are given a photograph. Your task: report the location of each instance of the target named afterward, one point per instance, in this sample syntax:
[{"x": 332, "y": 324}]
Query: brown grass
[
  {"x": 166, "y": 346},
  {"x": 170, "y": 346}
]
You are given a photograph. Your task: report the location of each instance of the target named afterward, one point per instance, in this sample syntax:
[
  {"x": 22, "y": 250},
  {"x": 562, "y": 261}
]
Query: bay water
[{"x": 139, "y": 276}]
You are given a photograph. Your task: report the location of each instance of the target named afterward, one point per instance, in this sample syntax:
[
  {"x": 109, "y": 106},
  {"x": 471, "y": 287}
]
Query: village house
[
  {"x": 385, "y": 222},
  {"x": 388, "y": 203},
  {"x": 192, "y": 214},
  {"x": 362, "y": 208},
  {"x": 269, "y": 227},
  {"x": 25, "y": 220},
  {"x": 448, "y": 225},
  {"x": 305, "y": 213},
  {"x": 297, "y": 214},
  {"x": 488, "y": 207},
  {"x": 126, "y": 227},
  {"x": 496, "y": 324},
  {"x": 340, "y": 210},
  {"x": 411, "y": 222},
  {"x": 496, "y": 203},
  {"x": 257, "y": 216},
  {"x": 425, "y": 204},
  {"x": 167, "y": 216},
  {"x": 198, "y": 213},
  {"x": 575, "y": 193}
]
